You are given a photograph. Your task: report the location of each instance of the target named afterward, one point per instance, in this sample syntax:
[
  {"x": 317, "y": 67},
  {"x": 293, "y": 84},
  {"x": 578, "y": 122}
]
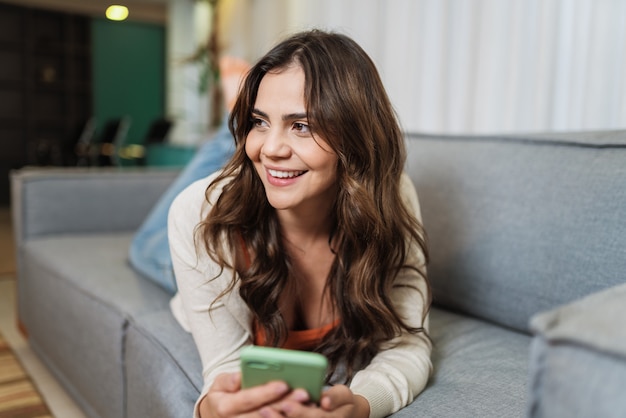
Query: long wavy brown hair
[{"x": 373, "y": 229}]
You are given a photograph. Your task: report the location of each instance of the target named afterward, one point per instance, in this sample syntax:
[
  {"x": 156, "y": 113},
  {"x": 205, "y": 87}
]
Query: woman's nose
[{"x": 276, "y": 145}]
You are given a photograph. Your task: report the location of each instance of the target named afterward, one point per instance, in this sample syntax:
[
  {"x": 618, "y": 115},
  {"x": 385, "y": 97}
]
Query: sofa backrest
[
  {"x": 521, "y": 224},
  {"x": 70, "y": 200}
]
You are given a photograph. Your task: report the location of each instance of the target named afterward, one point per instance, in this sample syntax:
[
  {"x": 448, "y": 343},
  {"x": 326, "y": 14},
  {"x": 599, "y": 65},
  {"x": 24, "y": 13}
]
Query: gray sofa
[{"x": 528, "y": 264}]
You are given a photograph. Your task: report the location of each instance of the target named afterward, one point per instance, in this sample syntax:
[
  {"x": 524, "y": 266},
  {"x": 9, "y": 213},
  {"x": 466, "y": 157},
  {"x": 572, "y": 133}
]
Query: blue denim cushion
[{"x": 149, "y": 251}]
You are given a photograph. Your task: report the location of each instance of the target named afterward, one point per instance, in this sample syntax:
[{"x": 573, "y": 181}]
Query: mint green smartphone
[{"x": 299, "y": 369}]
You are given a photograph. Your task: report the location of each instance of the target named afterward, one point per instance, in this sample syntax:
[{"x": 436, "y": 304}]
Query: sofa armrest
[
  {"x": 78, "y": 200},
  {"x": 578, "y": 358}
]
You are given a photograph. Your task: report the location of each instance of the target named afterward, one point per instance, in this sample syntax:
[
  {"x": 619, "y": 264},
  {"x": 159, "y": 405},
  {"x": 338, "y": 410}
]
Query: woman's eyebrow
[
  {"x": 287, "y": 117},
  {"x": 256, "y": 111},
  {"x": 294, "y": 116}
]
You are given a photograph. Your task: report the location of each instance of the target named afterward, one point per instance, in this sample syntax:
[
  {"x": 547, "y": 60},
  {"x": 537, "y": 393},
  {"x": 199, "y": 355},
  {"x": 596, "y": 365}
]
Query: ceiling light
[{"x": 117, "y": 12}]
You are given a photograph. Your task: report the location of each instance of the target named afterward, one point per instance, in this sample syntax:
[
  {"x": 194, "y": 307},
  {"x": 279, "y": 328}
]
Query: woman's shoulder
[
  {"x": 194, "y": 197},
  {"x": 409, "y": 194},
  {"x": 406, "y": 184},
  {"x": 193, "y": 204}
]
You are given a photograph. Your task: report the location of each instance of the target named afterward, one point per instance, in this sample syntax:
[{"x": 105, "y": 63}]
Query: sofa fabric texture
[
  {"x": 519, "y": 225},
  {"x": 527, "y": 238}
]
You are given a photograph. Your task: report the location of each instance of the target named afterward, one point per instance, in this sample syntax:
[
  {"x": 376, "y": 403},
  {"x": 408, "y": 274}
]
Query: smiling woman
[{"x": 327, "y": 254}]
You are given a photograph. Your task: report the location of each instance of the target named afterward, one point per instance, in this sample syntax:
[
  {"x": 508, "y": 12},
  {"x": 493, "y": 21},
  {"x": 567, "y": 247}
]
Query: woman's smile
[{"x": 283, "y": 174}]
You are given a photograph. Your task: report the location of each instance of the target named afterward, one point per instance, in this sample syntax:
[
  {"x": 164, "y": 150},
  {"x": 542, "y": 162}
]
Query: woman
[{"x": 308, "y": 239}]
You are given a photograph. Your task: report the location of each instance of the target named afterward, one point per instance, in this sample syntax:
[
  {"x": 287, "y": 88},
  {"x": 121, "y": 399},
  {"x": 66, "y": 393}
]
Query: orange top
[{"x": 305, "y": 340}]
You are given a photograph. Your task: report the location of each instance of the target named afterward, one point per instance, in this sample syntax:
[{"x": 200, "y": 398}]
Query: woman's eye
[
  {"x": 258, "y": 123},
  {"x": 301, "y": 127}
]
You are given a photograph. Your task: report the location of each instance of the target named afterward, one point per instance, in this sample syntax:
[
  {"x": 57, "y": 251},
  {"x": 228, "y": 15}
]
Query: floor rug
[{"x": 19, "y": 397}]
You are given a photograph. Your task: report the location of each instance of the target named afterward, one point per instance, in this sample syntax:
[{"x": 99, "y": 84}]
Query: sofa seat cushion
[
  {"x": 97, "y": 265},
  {"x": 163, "y": 368},
  {"x": 76, "y": 295},
  {"x": 480, "y": 370}
]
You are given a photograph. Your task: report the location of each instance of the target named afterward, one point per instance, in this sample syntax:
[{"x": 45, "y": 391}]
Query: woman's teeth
[{"x": 285, "y": 174}]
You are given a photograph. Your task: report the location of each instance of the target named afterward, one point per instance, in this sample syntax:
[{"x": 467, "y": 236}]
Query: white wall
[{"x": 469, "y": 66}]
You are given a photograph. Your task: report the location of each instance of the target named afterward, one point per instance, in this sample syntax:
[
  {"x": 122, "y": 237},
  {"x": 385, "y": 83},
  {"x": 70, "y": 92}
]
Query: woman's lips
[
  {"x": 284, "y": 174},
  {"x": 283, "y": 177}
]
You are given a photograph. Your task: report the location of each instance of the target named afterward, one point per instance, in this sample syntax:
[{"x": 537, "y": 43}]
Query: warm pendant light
[{"x": 117, "y": 12}]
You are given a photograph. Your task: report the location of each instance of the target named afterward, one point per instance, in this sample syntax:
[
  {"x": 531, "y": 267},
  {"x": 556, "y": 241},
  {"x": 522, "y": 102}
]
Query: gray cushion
[
  {"x": 78, "y": 337},
  {"x": 480, "y": 370},
  {"x": 76, "y": 296},
  {"x": 66, "y": 201},
  {"x": 163, "y": 368},
  {"x": 572, "y": 381},
  {"x": 578, "y": 358},
  {"x": 97, "y": 265},
  {"x": 521, "y": 225}
]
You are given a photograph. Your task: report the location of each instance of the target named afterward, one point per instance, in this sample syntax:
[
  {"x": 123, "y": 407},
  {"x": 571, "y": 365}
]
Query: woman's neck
[{"x": 305, "y": 229}]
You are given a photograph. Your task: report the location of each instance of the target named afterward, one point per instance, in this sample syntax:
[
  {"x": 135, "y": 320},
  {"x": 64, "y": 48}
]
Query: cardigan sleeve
[
  {"x": 220, "y": 329},
  {"x": 399, "y": 372}
]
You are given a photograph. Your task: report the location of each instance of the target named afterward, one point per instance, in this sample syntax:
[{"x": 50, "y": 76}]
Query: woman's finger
[
  {"x": 336, "y": 397},
  {"x": 251, "y": 399},
  {"x": 227, "y": 399},
  {"x": 227, "y": 382}
]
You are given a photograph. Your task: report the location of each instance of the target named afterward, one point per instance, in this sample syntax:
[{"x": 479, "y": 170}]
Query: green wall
[{"x": 128, "y": 74}]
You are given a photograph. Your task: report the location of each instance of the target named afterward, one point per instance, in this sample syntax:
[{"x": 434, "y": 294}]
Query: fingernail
[
  {"x": 265, "y": 412},
  {"x": 301, "y": 395},
  {"x": 281, "y": 387}
]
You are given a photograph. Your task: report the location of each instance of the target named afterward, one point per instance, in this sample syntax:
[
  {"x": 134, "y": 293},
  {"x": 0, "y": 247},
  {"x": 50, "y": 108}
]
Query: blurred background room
[{"x": 79, "y": 89}]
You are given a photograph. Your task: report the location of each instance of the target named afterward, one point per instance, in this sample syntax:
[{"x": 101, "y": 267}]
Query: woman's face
[{"x": 297, "y": 169}]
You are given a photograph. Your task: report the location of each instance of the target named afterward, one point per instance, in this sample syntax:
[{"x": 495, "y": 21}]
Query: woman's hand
[
  {"x": 227, "y": 399},
  {"x": 336, "y": 402}
]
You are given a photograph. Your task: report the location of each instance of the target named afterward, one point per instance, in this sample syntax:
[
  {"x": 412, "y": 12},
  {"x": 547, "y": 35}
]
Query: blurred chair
[
  {"x": 155, "y": 135},
  {"x": 78, "y": 149},
  {"x": 112, "y": 140}
]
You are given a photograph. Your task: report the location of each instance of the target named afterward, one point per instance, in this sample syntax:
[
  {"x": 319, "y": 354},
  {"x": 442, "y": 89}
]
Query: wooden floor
[{"x": 19, "y": 397}]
